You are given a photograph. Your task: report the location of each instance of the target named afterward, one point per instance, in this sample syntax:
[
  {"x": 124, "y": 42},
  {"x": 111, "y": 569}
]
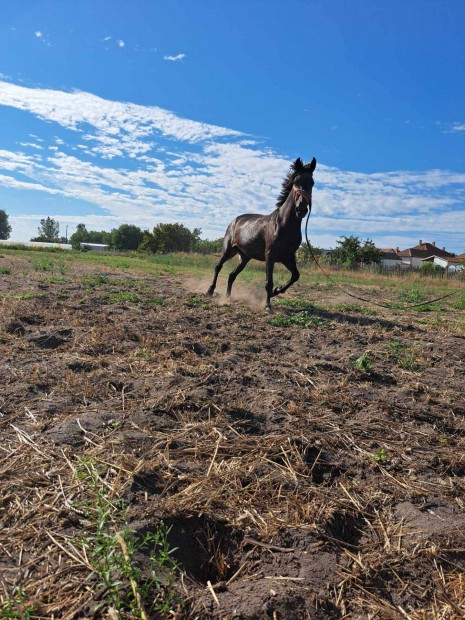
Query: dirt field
[{"x": 312, "y": 470}]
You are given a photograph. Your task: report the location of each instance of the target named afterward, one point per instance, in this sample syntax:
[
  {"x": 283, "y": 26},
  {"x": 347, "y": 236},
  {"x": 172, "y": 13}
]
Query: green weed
[
  {"x": 364, "y": 364},
  {"x": 5, "y": 271},
  {"x": 380, "y": 456},
  {"x": 14, "y": 605},
  {"x": 147, "y": 353},
  {"x": 110, "y": 548}
]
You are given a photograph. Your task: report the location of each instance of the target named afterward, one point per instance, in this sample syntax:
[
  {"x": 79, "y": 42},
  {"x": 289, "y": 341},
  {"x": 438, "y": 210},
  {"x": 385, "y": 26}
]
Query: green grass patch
[
  {"x": 41, "y": 264},
  {"x": 94, "y": 280},
  {"x": 406, "y": 356},
  {"x": 122, "y": 297},
  {"x": 22, "y": 296},
  {"x": 403, "y": 290},
  {"x": 302, "y": 319},
  {"x": 296, "y": 303},
  {"x": 54, "y": 280},
  {"x": 196, "y": 301},
  {"x": 413, "y": 296},
  {"x": 428, "y": 308},
  {"x": 156, "y": 301},
  {"x": 5, "y": 271}
]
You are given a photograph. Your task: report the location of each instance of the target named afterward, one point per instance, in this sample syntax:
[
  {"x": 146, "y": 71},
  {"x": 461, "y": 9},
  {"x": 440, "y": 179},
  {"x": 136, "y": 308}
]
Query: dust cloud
[{"x": 250, "y": 295}]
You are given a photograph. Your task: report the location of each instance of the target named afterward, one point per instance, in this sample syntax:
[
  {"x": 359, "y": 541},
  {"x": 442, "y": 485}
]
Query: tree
[
  {"x": 170, "y": 238},
  {"x": 208, "y": 246},
  {"x": 5, "y": 228},
  {"x": 126, "y": 237},
  {"x": 305, "y": 254},
  {"x": 351, "y": 252},
  {"x": 49, "y": 231},
  {"x": 370, "y": 253},
  {"x": 83, "y": 235}
]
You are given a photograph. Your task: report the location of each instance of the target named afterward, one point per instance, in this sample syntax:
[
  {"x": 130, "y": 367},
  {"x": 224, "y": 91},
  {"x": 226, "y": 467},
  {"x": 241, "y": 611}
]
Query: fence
[{"x": 397, "y": 271}]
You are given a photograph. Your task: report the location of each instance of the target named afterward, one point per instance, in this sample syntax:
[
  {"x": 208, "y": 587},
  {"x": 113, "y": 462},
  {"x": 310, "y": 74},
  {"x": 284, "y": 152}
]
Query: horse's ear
[
  {"x": 312, "y": 165},
  {"x": 298, "y": 165}
]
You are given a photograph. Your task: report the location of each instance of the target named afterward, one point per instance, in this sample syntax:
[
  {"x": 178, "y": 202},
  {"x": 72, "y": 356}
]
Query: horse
[{"x": 273, "y": 238}]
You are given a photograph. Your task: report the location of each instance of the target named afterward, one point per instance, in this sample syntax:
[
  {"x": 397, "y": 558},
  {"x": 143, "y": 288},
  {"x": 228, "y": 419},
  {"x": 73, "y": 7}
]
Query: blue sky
[{"x": 191, "y": 111}]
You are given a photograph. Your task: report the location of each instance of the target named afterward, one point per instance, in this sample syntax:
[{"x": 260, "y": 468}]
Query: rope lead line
[{"x": 368, "y": 301}]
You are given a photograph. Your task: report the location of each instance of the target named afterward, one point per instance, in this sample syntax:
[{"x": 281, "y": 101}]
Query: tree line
[{"x": 165, "y": 238}]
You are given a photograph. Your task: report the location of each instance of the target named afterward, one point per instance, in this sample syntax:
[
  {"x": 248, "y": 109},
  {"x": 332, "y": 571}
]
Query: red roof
[
  {"x": 457, "y": 259},
  {"x": 389, "y": 253},
  {"x": 425, "y": 250}
]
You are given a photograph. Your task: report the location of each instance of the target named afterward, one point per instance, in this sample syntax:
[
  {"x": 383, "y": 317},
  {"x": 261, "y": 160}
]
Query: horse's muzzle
[
  {"x": 302, "y": 207},
  {"x": 303, "y": 202}
]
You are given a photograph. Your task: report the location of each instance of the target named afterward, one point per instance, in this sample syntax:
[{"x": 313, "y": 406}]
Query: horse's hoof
[{"x": 268, "y": 309}]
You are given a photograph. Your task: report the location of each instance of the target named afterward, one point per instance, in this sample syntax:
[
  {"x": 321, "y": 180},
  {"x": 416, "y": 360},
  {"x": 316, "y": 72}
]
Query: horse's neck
[{"x": 286, "y": 211}]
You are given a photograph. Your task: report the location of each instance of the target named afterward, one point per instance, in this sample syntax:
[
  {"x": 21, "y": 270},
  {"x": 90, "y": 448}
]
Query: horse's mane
[{"x": 297, "y": 167}]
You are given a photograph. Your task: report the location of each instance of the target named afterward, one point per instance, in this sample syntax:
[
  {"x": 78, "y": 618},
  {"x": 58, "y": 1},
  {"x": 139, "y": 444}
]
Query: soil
[{"x": 296, "y": 481}]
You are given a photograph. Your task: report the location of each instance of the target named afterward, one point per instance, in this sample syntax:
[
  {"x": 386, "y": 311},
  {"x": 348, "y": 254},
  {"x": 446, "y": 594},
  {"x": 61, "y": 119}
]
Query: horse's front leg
[
  {"x": 291, "y": 265},
  {"x": 269, "y": 261}
]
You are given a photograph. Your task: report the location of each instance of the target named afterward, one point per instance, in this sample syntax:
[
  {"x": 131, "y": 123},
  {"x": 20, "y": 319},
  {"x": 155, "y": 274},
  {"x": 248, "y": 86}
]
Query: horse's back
[{"x": 247, "y": 233}]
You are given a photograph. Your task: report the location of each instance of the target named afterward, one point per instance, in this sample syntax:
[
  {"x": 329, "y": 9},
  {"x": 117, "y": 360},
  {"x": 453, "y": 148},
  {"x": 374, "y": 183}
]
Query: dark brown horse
[{"x": 272, "y": 238}]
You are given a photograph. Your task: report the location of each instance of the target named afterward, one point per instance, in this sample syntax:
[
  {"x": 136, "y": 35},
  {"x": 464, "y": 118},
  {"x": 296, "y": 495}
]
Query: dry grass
[{"x": 279, "y": 467}]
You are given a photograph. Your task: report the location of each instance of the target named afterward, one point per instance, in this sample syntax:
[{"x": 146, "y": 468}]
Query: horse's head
[{"x": 302, "y": 185}]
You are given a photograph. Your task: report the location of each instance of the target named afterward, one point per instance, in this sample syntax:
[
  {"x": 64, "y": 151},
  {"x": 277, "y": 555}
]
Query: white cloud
[
  {"x": 120, "y": 43},
  {"x": 458, "y": 127},
  {"x": 125, "y": 125},
  {"x": 175, "y": 58},
  {"x": 106, "y": 39},
  {"x": 145, "y": 165},
  {"x": 41, "y": 36},
  {"x": 32, "y": 145}
]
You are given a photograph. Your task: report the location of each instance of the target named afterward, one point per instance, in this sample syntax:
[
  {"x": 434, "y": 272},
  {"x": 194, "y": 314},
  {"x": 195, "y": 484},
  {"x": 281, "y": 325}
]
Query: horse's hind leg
[
  {"x": 233, "y": 275},
  {"x": 228, "y": 252}
]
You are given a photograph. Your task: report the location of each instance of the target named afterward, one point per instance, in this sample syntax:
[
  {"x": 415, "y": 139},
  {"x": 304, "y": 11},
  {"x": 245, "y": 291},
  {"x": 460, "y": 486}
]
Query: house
[
  {"x": 415, "y": 256},
  {"x": 451, "y": 264},
  {"x": 390, "y": 257}
]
